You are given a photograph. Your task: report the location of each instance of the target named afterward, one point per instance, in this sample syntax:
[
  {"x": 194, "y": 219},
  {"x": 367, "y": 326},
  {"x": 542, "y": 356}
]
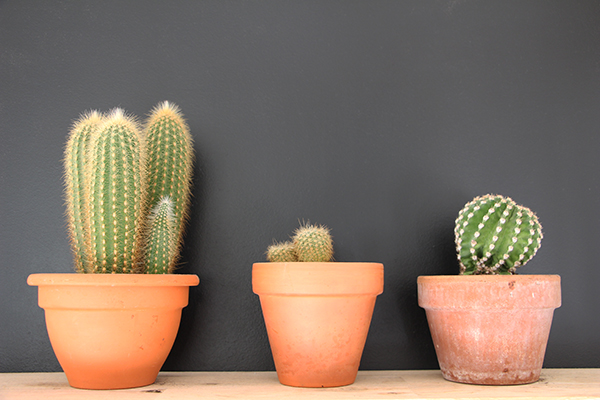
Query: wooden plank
[{"x": 556, "y": 384}]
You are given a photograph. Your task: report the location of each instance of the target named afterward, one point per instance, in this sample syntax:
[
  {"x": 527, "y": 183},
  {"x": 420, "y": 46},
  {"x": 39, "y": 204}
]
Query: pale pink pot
[{"x": 490, "y": 329}]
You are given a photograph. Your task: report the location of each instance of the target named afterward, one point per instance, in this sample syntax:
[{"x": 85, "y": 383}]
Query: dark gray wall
[{"x": 379, "y": 119}]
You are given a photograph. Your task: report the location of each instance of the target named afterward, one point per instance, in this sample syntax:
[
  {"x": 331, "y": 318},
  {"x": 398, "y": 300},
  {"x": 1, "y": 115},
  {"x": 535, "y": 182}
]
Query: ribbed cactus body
[
  {"x": 494, "y": 235},
  {"x": 313, "y": 243},
  {"x": 107, "y": 184},
  {"x": 282, "y": 252},
  {"x": 161, "y": 238},
  {"x": 169, "y": 163},
  {"x": 116, "y": 198},
  {"x": 76, "y": 186}
]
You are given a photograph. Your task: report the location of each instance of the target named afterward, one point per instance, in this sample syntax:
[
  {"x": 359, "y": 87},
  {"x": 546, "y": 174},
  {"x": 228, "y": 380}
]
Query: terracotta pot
[
  {"x": 490, "y": 329},
  {"x": 317, "y": 317},
  {"x": 112, "y": 331}
]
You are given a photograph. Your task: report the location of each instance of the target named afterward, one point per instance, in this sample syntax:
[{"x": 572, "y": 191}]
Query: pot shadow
[
  {"x": 419, "y": 349},
  {"x": 400, "y": 338}
]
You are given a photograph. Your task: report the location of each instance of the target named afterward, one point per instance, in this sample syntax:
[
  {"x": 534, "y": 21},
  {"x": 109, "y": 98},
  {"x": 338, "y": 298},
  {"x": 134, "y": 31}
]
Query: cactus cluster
[
  {"x": 494, "y": 235},
  {"x": 310, "y": 243},
  {"x": 128, "y": 190}
]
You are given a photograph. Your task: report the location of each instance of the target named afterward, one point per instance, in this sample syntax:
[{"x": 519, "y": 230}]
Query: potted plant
[
  {"x": 488, "y": 324},
  {"x": 317, "y": 313},
  {"x": 113, "y": 324}
]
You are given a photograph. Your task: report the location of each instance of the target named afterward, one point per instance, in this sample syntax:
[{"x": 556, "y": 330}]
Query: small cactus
[
  {"x": 313, "y": 243},
  {"x": 161, "y": 238},
  {"x": 282, "y": 252},
  {"x": 494, "y": 235},
  {"x": 121, "y": 200},
  {"x": 310, "y": 243}
]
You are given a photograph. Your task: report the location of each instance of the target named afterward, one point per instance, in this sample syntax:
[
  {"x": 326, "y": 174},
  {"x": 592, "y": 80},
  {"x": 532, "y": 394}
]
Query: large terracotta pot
[
  {"x": 490, "y": 329},
  {"x": 112, "y": 331},
  {"x": 317, "y": 317}
]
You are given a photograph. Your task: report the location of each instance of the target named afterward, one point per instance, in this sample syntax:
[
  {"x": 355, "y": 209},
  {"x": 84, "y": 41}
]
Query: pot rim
[
  {"x": 79, "y": 279},
  {"x": 317, "y": 278},
  {"x": 485, "y": 278},
  {"x": 320, "y": 264},
  {"x": 454, "y": 292}
]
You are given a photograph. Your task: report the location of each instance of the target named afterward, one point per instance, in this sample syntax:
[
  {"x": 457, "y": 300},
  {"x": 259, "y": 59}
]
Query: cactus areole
[{"x": 494, "y": 235}]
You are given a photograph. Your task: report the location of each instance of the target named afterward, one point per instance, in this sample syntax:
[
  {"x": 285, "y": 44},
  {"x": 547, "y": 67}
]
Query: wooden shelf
[{"x": 554, "y": 384}]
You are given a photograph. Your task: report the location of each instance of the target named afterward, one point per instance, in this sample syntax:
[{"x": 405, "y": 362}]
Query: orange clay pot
[
  {"x": 317, "y": 317},
  {"x": 490, "y": 329},
  {"x": 112, "y": 331}
]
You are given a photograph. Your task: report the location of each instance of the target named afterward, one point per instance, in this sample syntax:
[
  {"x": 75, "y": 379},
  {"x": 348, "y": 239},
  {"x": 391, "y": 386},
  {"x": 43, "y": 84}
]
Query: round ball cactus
[
  {"x": 494, "y": 235},
  {"x": 282, "y": 252},
  {"x": 313, "y": 243}
]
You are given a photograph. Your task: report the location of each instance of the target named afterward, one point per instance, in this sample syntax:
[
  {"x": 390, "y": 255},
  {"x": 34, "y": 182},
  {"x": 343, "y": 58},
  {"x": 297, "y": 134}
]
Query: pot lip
[
  {"x": 424, "y": 279},
  {"x": 318, "y": 265},
  {"x": 489, "y": 292},
  {"x": 80, "y": 279},
  {"x": 317, "y": 278}
]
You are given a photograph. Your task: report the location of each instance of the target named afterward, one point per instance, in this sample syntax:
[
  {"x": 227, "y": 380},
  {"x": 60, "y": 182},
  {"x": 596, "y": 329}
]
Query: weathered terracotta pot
[
  {"x": 112, "y": 331},
  {"x": 490, "y": 329},
  {"x": 317, "y": 317}
]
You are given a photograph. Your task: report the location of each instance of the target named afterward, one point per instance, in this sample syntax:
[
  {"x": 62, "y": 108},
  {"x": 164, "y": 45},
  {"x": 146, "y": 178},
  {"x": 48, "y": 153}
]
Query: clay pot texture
[
  {"x": 112, "y": 331},
  {"x": 490, "y": 329},
  {"x": 317, "y": 317}
]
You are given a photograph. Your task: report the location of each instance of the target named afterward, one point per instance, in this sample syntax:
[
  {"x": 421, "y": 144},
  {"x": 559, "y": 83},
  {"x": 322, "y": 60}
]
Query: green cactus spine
[
  {"x": 161, "y": 238},
  {"x": 76, "y": 186},
  {"x": 313, "y": 243},
  {"x": 282, "y": 252},
  {"x": 116, "y": 197},
  {"x": 494, "y": 235},
  {"x": 169, "y": 163}
]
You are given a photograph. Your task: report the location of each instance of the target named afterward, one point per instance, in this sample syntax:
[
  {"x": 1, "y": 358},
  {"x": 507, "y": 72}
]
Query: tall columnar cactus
[
  {"x": 494, "y": 235},
  {"x": 117, "y": 194},
  {"x": 170, "y": 156},
  {"x": 76, "y": 186},
  {"x": 126, "y": 209},
  {"x": 161, "y": 238},
  {"x": 310, "y": 243}
]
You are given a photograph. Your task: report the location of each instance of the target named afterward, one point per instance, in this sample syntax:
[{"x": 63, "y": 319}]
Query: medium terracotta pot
[
  {"x": 317, "y": 317},
  {"x": 490, "y": 329},
  {"x": 112, "y": 331}
]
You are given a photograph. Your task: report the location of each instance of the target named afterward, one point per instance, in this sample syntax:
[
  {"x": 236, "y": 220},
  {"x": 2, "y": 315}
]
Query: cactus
[
  {"x": 310, "y": 243},
  {"x": 116, "y": 197},
  {"x": 112, "y": 223},
  {"x": 75, "y": 186},
  {"x": 494, "y": 235},
  {"x": 161, "y": 238},
  {"x": 313, "y": 243},
  {"x": 282, "y": 252},
  {"x": 169, "y": 164}
]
